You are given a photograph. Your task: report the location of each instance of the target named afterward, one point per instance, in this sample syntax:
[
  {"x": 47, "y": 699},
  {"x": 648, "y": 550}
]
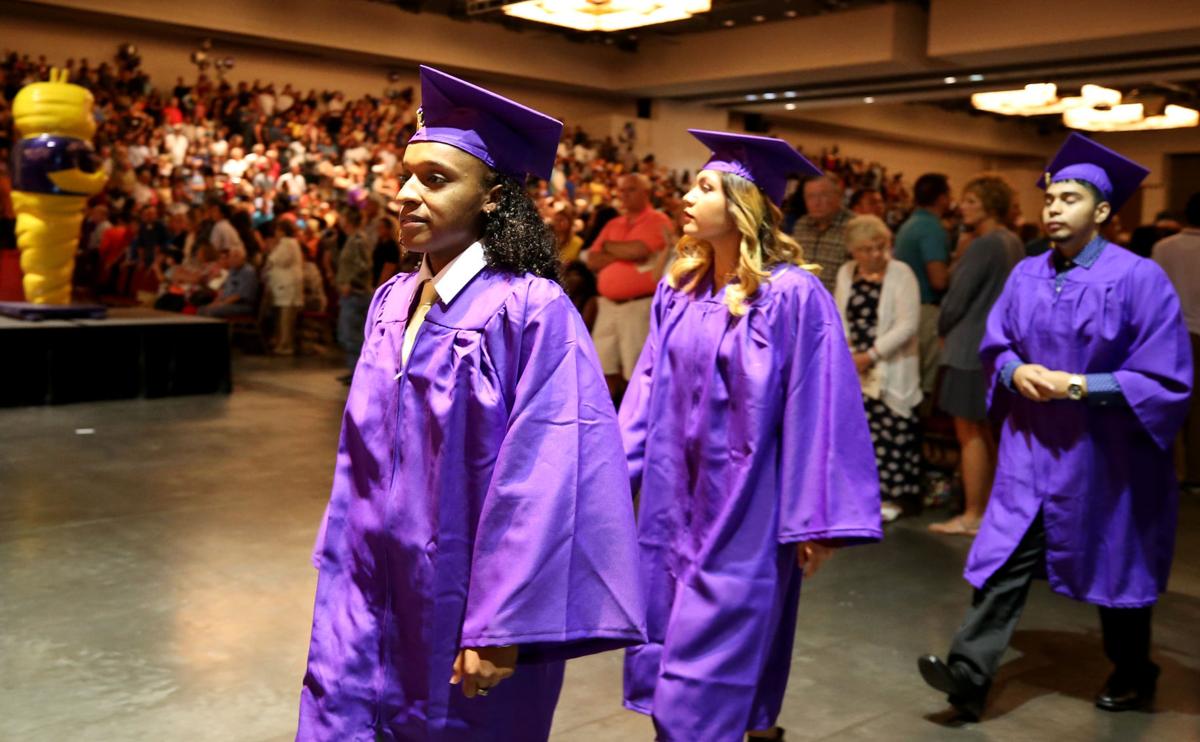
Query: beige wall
[
  {"x": 987, "y": 31},
  {"x": 1152, "y": 150},
  {"x": 880, "y": 40}
]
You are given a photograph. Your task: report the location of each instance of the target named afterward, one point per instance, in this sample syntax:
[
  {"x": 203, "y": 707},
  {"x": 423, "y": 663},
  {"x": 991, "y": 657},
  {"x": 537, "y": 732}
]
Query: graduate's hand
[
  {"x": 862, "y": 362},
  {"x": 1060, "y": 380},
  {"x": 810, "y": 555},
  {"x": 1031, "y": 382},
  {"x": 483, "y": 668}
]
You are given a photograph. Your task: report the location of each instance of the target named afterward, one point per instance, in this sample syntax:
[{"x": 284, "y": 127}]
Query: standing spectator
[
  {"x": 385, "y": 256},
  {"x": 569, "y": 244},
  {"x": 580, "y": 285},
  {"x": 923, "y": 244},
  {"x": 284, "y": 270},
  {"x": 821, "y": 232},
  {"x": 239, "y": 291},
  {"x": 625, "y": 260},
  {"x": 879, "y": 302},
  {"x": 868, "y": 201},
  {"x": 315, "y": 299},
  {"x": 1179, "y": 256},
  {"x": 975, "y": 284},
  {"x": 353, "y": 280}
]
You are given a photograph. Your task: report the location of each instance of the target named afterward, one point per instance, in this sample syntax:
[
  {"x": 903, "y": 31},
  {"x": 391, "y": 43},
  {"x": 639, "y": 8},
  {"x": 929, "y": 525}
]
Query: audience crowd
[{"x": 270, "y": 206}]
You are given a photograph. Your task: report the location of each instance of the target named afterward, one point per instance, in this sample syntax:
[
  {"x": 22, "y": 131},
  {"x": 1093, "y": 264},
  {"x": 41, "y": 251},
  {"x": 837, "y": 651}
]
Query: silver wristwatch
[{"x": 1075, "y": 387}]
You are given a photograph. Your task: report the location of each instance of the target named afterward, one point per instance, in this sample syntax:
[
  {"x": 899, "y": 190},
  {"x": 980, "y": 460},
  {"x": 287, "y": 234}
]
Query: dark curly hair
[{"x": 515, "y": 238}]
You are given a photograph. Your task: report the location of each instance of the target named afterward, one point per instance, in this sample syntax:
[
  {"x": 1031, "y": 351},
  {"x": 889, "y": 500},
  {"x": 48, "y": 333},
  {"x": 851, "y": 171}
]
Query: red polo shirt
[{"x": 625, "y": 279}]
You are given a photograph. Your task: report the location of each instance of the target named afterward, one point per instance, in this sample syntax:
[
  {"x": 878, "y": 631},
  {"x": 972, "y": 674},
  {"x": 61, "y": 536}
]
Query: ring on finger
[{"x": 481, "y": 691}]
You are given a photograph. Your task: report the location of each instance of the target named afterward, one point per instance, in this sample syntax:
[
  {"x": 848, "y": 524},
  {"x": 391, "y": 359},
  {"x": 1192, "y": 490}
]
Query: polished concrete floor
[{"x": 155, "y": 585}]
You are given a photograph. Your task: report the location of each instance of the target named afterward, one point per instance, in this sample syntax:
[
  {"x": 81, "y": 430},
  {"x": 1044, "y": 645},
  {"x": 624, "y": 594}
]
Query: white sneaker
[{"x": 890, "y": 511}]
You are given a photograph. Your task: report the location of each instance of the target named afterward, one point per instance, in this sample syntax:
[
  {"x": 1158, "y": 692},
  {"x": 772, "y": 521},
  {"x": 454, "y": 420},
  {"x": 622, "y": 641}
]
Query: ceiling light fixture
[
  {"x": 1130, "y": 117},
  {"x": 869, "y": 99},
  {"x": 790, "y": 106},
  {"x": 950, "y": 80},
  {"x": 1041, "y": 99},
  {"x": 607, "y": 15},
  {"x": 976, "y": 78}
]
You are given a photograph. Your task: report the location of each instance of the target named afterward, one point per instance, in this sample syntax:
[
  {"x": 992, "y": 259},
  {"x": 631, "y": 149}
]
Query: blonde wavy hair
[{"x": 764, "y": 245}]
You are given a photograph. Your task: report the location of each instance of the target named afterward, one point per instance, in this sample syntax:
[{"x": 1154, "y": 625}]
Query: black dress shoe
[
  {"x": 964, "y": 695},
  {"x": 777, "y": 736},
  {"x": 1129, "y": 691}
]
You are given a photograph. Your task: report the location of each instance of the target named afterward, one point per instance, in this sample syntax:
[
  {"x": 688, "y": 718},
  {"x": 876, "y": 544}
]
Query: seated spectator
[
  {"x": 238, "y": 294},
  {"x": 880, "y": 304}
]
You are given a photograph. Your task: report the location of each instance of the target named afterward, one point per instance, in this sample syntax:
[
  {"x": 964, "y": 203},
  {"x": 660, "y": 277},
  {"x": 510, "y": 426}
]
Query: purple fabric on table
[
  {"x": 480, "y": 499},
  {"x": 509, "y": 137},
  {"x": 1113, "y": 174},
  {"x": 745, "y": 437},
  {"x": 1102, "y": 475},
  {"x": 766, "y": 162}
]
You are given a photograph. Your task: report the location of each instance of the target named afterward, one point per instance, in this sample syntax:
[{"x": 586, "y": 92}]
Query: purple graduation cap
[
  {"x": 507, "y": 136},
  {"x": 1115, "y": 176},
  {"x": 766, "y": 162}
]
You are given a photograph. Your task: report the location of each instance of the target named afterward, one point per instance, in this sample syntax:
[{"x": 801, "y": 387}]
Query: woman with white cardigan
[
  {"x": 880, "y": 305},
  {"x": 285, "y": 276}
]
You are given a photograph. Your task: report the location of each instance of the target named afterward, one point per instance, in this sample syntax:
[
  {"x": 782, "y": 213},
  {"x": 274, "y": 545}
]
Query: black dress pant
[{"x": 989, "y": 624}]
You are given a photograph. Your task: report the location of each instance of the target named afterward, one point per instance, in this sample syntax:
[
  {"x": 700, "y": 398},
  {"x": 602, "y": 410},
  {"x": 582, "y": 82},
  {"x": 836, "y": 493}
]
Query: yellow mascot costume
[{"x": 54, "y": 173}]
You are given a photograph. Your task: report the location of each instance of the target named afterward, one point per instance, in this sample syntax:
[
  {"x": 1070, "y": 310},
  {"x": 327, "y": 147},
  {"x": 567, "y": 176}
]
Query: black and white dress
[{"x": 897, "y": 450}]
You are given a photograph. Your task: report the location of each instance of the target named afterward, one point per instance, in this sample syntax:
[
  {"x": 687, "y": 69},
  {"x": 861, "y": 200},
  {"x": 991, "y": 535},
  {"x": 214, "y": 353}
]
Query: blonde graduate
[{"x": 746, "y": 437}]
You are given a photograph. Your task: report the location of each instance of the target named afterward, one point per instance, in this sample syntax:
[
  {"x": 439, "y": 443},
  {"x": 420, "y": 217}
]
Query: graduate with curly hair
[
  {"x": 480, "y": 529},
  {"x": 745, "y": 429}
]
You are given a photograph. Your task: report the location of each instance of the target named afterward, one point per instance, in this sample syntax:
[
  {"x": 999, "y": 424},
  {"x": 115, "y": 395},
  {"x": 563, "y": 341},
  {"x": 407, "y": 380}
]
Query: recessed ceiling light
[
  {"x": 759, "y": 18},
  {"x": 790, "y": 106},
  {"x": 751, "y": 97},
  {"x": 728, "y": 22},
  {"x": 869, "y": 99},
  {"x": 790, "y": 14},
  {"x": 769, "y": 96},
  {"x": 950, "y": 80},
  {"x": 976, "y": 78},
  {"x": 790, "y": 94}
]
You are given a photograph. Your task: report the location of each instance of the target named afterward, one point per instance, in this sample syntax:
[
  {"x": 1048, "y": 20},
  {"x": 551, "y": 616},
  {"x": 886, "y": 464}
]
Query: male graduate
[
  {"x": 480, "y": 529},
  {"x": 1090, "y": 366}
]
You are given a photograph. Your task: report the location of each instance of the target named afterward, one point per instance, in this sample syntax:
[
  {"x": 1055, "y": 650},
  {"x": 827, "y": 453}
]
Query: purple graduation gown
[
  {"x": 1102, "y": 475},
  {"x": 481, "y": 499},
  {"x": 746, "y": 436}
]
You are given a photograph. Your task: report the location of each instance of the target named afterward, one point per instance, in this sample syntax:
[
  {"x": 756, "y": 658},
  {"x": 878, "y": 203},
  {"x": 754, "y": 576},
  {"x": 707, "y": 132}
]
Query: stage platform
[{"x": 132, "y": 353}]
